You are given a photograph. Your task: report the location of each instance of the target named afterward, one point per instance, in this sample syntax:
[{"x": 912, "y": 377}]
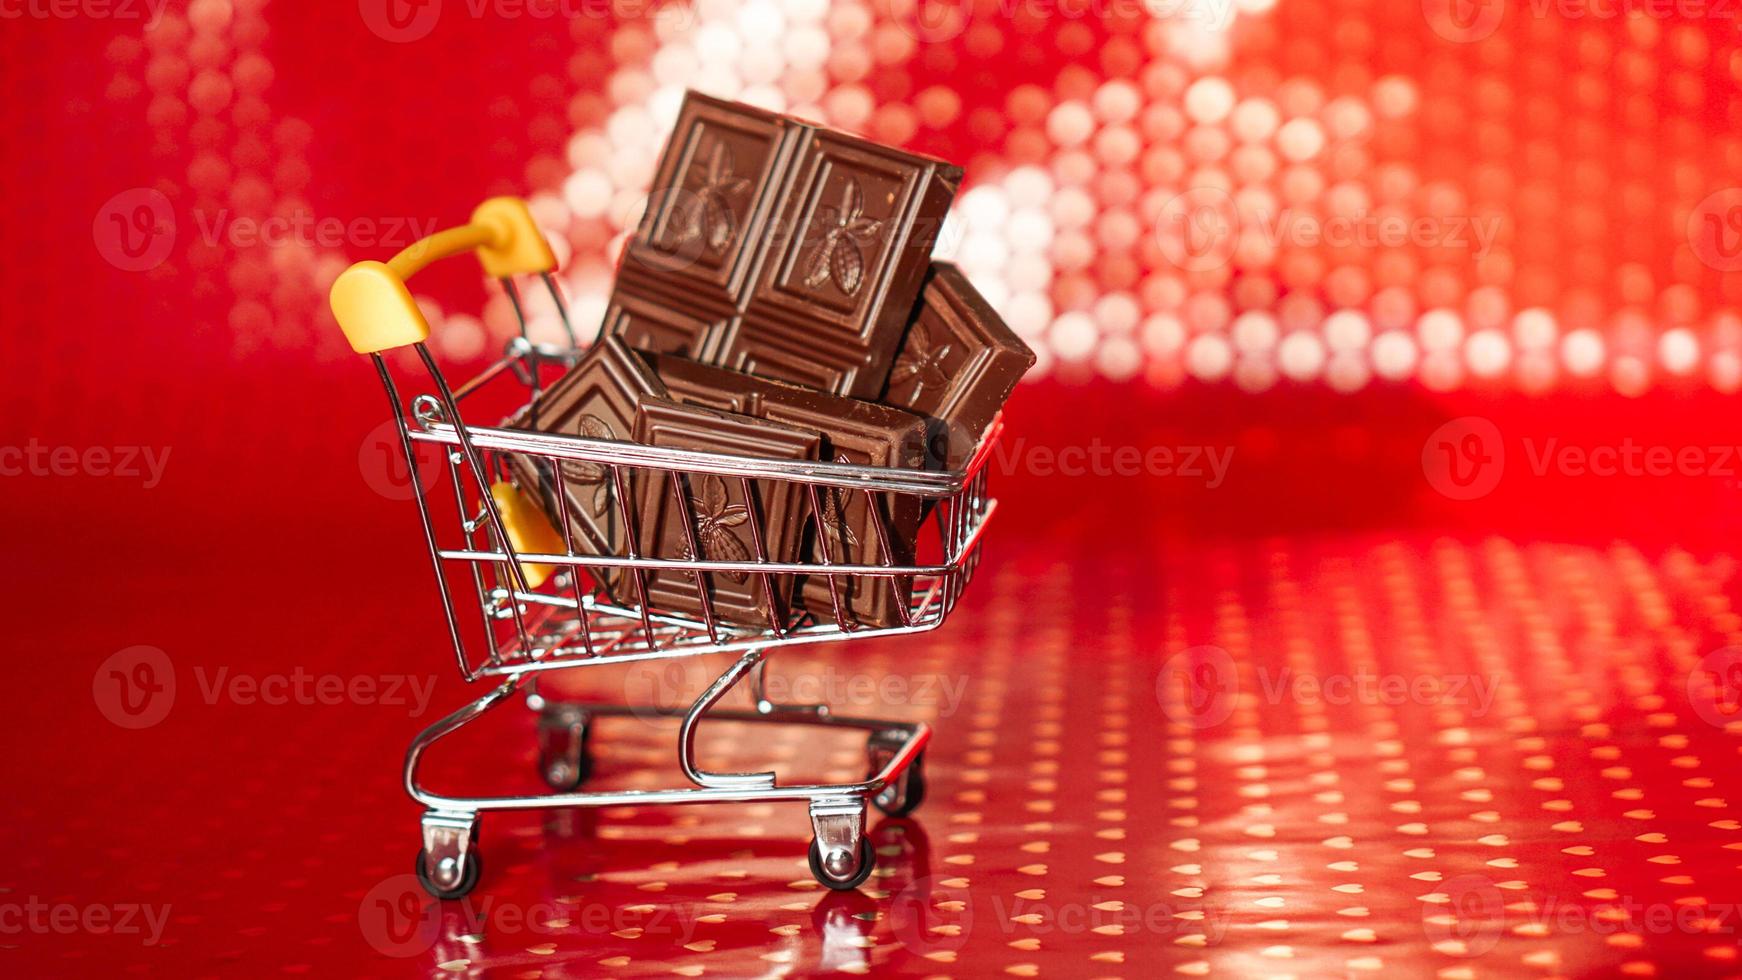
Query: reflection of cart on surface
[{"x": 542, "y": 603}]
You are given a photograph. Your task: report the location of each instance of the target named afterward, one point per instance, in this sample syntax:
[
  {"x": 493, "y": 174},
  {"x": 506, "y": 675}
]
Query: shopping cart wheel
[
  {"x": 447, "y": 864},
  {"x": 903, "y": 796},
  {"x": 867, "y": 858},
  {"x": 468, "y": 880},
  {"x": 565, "y": 747}
]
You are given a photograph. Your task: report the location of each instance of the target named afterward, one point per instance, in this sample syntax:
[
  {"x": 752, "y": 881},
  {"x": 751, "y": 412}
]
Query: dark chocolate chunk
[
  {"x": 723, "y": 170},
  {"x": 597, "y": 399},
  {"x": 855, "y": 432},
  {"x": 854, "y": 235},
  {"x": 724, "y": 512},
  {"x": 780, "y": 249},
  {"x": 956, "y": 366}
]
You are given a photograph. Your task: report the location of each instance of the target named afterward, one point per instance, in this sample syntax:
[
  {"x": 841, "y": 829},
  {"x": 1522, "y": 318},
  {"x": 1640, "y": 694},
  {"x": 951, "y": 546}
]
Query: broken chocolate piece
[{"x": 957, "y": 364}]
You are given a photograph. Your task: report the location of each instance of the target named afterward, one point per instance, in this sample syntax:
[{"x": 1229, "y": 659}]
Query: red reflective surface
[{"x": 1412, "y": 746}]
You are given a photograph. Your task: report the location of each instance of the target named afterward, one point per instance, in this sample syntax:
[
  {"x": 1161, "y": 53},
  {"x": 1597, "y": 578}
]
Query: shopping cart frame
[{"x": 538, "y": 621}]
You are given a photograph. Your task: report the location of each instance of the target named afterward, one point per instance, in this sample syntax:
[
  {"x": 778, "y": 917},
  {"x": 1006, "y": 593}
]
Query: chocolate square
[
  {"x": 720, "y": 511},
  {"x": 854, "y": 235},
  {"x": 957, "y": 364},
  {"x": 780, "y": 249},
  {"x": 853, "y": 431},
  {"x": 597, "y": 399},
  {"x": 723, "y": 168}
]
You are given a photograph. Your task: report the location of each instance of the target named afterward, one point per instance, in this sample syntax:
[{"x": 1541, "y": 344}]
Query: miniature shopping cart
[{"x": 540, "y": 607}]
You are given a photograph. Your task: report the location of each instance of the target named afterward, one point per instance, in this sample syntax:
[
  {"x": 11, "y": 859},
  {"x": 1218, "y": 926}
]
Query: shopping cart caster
[
  {"x": 448, "y": 866},
  {"x": 841, "y": 855},
  {"x": 565, "y": 747},
  {"x": 907, "y": 792},
  {"x": 820, "y": 866}
]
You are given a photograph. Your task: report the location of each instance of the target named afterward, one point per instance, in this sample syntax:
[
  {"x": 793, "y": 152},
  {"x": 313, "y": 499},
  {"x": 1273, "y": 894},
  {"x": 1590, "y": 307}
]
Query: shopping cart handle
[{"x": 376, "y": 310}]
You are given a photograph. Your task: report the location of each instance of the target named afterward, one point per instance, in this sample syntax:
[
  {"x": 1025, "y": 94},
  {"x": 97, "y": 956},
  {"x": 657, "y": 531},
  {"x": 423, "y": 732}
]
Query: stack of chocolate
[{"x": 778, "y": 301}]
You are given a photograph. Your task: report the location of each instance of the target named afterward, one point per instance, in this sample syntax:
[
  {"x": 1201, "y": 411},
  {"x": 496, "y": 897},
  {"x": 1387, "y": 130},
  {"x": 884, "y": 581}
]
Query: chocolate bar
[
  {"x": 720, "y": 510},
  {"x": 956, "y": 366},
  {"x": 597, "y": 399},
  {"x": 778, "y": 248},
  {"x": 855, "y": 432}
]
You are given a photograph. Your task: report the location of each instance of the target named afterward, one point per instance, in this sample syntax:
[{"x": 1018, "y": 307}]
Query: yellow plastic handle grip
[
  {"x": 529, "y": 531},
  {"x": 375, "y": 309}
]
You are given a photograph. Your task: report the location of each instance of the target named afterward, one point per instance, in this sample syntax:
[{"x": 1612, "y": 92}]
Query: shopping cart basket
[{"x": 540, "y": 607}]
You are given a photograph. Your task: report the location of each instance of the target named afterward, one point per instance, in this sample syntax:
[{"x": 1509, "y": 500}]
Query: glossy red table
[{"x": 1173, "y": 736}]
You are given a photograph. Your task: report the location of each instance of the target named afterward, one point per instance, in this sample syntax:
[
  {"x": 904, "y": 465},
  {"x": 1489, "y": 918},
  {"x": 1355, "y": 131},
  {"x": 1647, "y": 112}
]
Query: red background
[{"x": 264, "y": 548}]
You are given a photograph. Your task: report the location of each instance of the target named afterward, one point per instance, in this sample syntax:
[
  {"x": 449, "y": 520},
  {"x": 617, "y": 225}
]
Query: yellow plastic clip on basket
[{"x": 375, "y": 310}]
